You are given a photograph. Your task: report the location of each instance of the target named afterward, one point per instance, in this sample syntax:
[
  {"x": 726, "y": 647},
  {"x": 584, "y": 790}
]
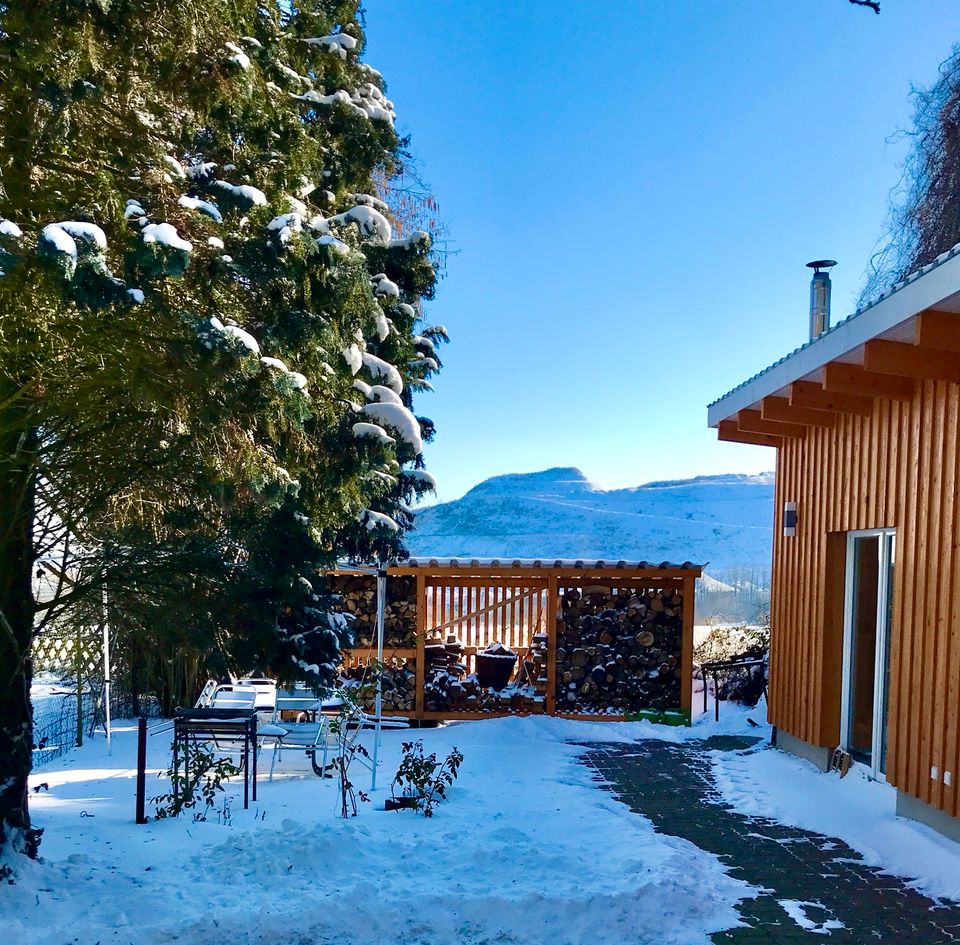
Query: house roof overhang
[{"x": 911, "y": 332}]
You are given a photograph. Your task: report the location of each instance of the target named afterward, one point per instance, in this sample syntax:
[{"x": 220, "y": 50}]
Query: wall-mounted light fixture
[{"x": 789, "y": 519}]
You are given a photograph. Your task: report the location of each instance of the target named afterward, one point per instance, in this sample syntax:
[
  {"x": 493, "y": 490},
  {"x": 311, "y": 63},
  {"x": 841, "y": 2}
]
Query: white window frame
[{"x": 880, "y": 694}]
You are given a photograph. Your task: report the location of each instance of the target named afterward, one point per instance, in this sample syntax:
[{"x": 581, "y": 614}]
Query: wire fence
[{"x": 68, "y": 692}]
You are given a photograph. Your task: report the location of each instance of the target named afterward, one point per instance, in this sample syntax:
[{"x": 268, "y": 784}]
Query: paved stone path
[{"x": 670, "y": 784}]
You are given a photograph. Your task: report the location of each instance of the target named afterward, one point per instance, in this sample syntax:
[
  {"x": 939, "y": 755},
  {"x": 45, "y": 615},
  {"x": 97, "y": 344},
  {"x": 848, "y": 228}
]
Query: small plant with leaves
[
  {"x": 197, "y": 782},
  {"x": 348, "y": 748},
  {"x": 422, "y": 780}
]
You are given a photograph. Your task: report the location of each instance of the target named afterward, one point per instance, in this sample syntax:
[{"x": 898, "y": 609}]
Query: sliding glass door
[{"x": 866, "y": 650}]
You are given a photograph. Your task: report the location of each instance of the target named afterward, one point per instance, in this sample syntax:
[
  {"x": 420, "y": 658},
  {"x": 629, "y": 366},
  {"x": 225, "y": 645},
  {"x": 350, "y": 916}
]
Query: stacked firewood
[
  {"x": 398, "y": 684},
  {"x": 359, "y": 592},
  {"x": 445, "y": 692},
  {"x": 538, "y": 657},
  {"x": 619, "y": 652},
  {"x": 447, "y": 686}
]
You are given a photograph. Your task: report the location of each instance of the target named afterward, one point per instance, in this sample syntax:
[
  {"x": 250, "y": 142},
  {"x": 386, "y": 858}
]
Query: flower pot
[
  {"x": 400, "y": 803},
  {"x": 494, "y": 669}
]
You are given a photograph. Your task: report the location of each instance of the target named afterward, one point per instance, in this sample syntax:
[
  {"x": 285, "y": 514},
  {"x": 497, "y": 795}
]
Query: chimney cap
[{"x": 819, "y": 264}]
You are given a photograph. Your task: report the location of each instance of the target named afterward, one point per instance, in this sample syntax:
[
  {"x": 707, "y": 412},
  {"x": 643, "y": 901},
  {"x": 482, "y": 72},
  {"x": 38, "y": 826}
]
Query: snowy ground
[
  {"x": 859, "y": 811},
  {"x": 527, "y": 850}
]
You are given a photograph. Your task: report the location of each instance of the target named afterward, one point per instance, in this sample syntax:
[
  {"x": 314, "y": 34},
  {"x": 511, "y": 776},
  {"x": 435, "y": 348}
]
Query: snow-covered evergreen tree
[{"x": 210, "y": 330}]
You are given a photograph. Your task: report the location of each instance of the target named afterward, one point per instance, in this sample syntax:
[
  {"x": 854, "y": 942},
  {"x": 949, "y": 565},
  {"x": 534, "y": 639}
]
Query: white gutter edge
[{"x": 925, "y": 291}]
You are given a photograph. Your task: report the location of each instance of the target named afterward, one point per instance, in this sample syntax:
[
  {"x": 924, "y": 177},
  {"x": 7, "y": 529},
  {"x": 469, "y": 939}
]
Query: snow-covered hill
[{"x": 558, "y": 513}]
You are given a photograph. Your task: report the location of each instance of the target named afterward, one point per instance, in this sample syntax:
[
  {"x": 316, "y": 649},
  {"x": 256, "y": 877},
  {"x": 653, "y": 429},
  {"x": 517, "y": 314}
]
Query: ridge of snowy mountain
[{"x": 723, "y": 520}]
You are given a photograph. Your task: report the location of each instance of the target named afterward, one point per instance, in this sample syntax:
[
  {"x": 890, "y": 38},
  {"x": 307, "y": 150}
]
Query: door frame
[{"x": 884, "y": 590}]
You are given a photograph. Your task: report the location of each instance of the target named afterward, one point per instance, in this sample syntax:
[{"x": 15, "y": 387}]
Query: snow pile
[
  {"x": 243, "y": 192},
  {"x": 88, "y": 232},
  {"x": 200, "y": 170},
  {"x": 203, "y": 206},
  {"x": 62, "y": 237},
  {"x": 385, "y": 287},
  {"x": 400, "y": 419},
  {"x": 372, "y": 222},
  {"x": 174, "y": 167},
  {"x": 243, "y": 338},
  {"x": 238, "y": 57},
  {"x": 338, "y": 43},
  {"x": 379, "y": 368},
  {"x": 374, "y": 520},
  {"x": 354, "y": 358},
  {"x": 368, "y": 100},
  {"x": 860, "y": 812},
  {"x": 416, "y": 238},
  {"x": 166, "y": 235},
  {"x": 9, "y": 228},
  {"x": 802, "y": 912},
  {"x": 372, "y": 430},
  {"x": 421, "y": 476},
  {"x": 526, "y": 850},
  {"x": 59, "y": 240},
  {"x": 384, "y": 394}
]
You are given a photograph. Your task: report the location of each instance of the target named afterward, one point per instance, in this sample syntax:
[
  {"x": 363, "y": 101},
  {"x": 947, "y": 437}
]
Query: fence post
[
  {"x": 686, "y": 649},
  {"x": 141, "y": 770},
  {"x": 421, "y": 640},
  {"x": 552, "y": 601}
]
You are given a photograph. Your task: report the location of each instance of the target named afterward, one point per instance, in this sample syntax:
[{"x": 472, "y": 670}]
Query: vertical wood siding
[{"x": 897, "y": 467}]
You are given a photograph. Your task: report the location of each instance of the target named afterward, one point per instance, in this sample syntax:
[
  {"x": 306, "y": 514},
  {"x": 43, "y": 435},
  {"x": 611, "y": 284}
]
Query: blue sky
[{"x": 632, "y": 190}]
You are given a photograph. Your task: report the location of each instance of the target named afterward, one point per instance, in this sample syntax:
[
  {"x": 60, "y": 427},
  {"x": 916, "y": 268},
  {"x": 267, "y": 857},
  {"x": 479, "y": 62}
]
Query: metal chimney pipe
[{"x": 820, "y": 296}]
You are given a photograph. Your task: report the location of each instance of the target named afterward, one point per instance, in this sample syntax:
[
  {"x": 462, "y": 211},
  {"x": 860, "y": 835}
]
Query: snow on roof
[
  {"x": 922, "y": 289},
  {"x": 577, "y": 564}
]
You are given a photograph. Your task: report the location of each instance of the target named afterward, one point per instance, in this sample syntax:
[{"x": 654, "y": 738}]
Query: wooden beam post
[
  {"x": 843, "y": 378},
  {"x": 729, "y": 431},
  {"x": 421, "y": 667},
  {"x": 812, "y": 395},
  {"x": 686, "y": 648},
  {"x": 553, "y": 594},
  {"x": 903, "y": 360},
  {"x": 779, "y": 408},
  {"x": 938, "y": 329},
  {"x": 752, "y": 422}
]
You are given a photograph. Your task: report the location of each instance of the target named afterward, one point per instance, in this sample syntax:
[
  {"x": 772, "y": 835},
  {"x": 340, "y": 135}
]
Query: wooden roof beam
[
  {"x": 905, "y": 360},
  {"x": 751, "y": 421},
  {"x": 842, "y": 378},
  {"x": 729, "y": 431},
  {"x": 779, "y": 408},
  {"x": 937, "y": 329},
  {"x": 811, "y": 394}
]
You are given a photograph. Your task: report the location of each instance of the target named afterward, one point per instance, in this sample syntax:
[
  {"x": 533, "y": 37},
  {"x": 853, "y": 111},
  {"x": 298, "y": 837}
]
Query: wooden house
[{"x": 865, "y": 600}]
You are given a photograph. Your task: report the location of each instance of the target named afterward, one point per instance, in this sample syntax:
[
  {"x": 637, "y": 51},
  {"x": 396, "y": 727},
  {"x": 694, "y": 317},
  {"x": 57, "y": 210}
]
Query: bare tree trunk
[{"x": 17, "y": 499}]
